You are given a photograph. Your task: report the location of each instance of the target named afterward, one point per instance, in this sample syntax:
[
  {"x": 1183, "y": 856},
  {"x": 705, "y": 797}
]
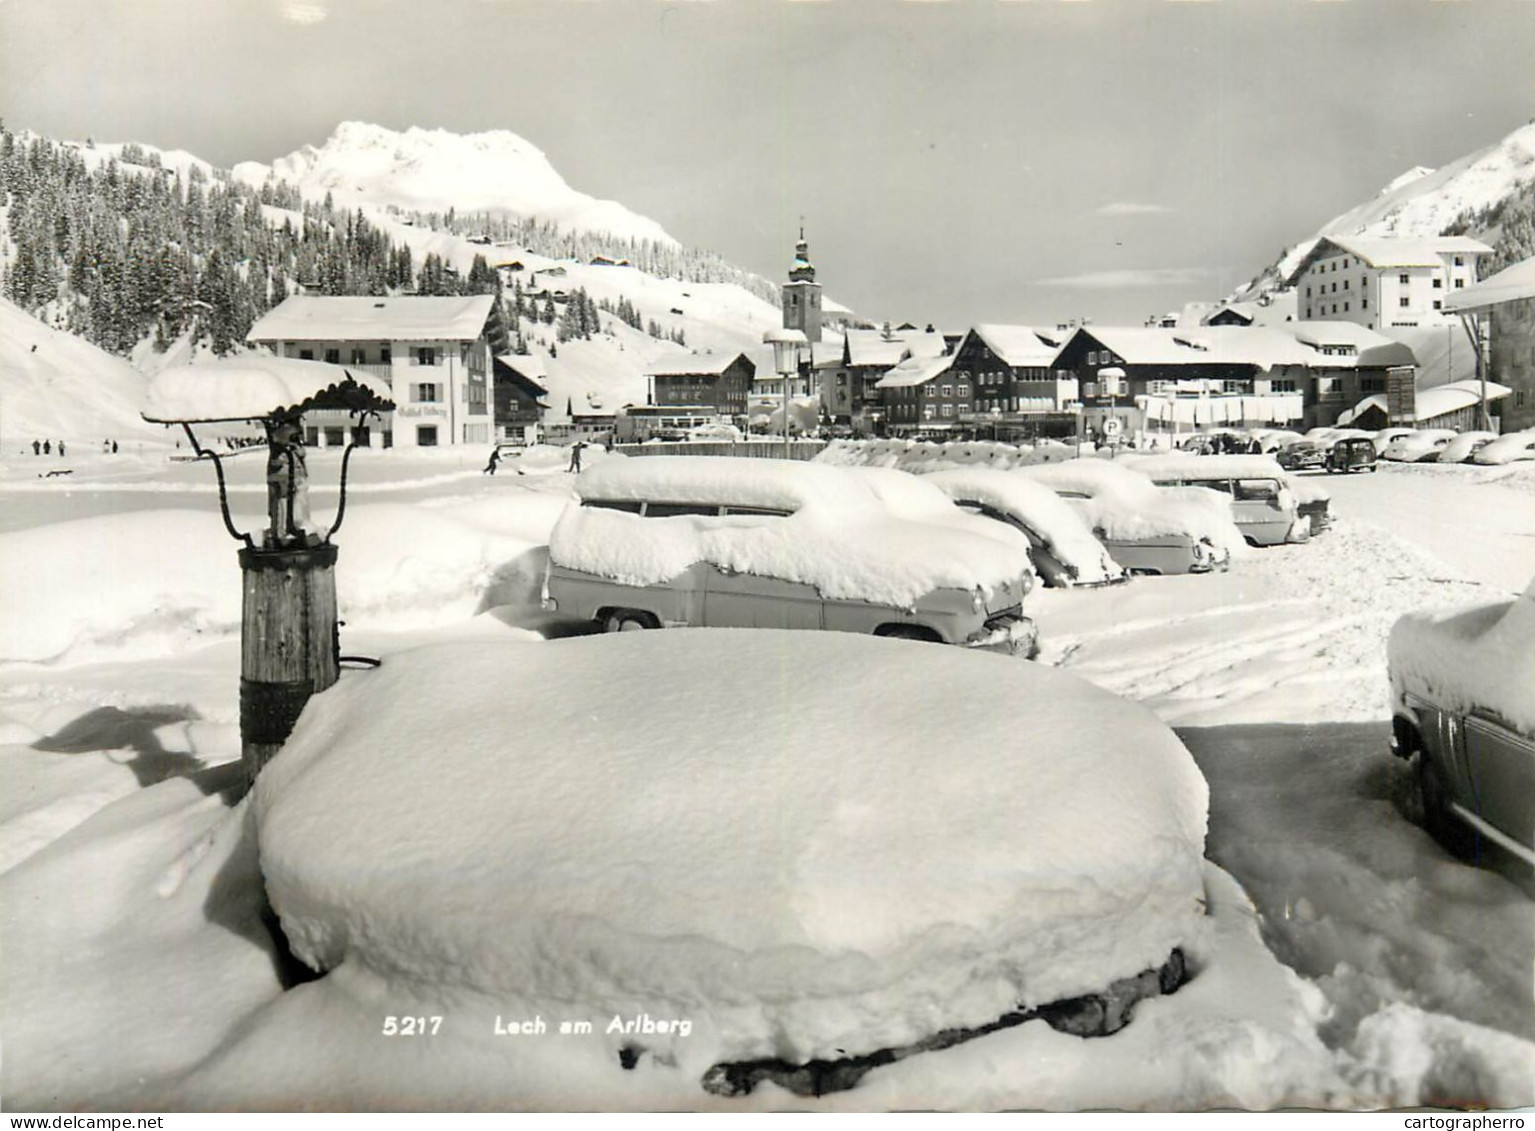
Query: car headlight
[
  {"x": 978, "y": 601},
  {"x": 1026, "y": 581},
  {"x": 1201, "y": 550}
]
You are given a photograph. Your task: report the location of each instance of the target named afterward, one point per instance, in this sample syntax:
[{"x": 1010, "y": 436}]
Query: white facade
[
  {"x": 441, "y": 385},
  {"x": 1384, "y": 284}
]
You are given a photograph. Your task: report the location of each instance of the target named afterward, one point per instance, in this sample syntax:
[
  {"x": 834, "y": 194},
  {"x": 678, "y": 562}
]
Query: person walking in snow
[
  {"x": 490, "y": 465},
  {"x": 37, "y": 447},
  {"x": 61, "y": 449},
  {"x": 575, "y": 457},
  {"x": 114, "y": 447},
  {"x": 47, "y": 448}
]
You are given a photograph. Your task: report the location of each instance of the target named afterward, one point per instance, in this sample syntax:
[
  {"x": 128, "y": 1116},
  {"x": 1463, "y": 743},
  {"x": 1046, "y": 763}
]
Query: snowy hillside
[
  {"x": 1424, "y": 202},
  {"x": 56, "y": 386},
  {"x": 435, "y": 170}
]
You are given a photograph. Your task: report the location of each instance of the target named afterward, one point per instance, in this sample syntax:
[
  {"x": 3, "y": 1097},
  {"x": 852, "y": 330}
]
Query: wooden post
[{"x": 287, "y": 645}]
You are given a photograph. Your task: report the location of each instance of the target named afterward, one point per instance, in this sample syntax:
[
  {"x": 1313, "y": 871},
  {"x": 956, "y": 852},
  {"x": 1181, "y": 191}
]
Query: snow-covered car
[
  {"x": 1313, "y": 502},
  {"x": 1384, "y": 438},
  {"x": 1421, "y": 446},
  {"x": 720, "y": 542},
  {"x": 1511, "y": 448},
  {"x": 1145, "y": 529},
  {"x": 1352, "y": 453},
  {"x": 1063, "y": 550},
  {"x": 1463, "y": 706},
  {"x": 1465, "y": 446},
  {"x": 1262, "y": 505},
  {"x": 1301, "y": 455},
  {"x": 695, "y": 859}
]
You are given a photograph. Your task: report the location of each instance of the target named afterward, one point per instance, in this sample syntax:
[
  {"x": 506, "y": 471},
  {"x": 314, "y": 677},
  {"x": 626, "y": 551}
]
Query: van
[{"x": 1262, "y": 505}]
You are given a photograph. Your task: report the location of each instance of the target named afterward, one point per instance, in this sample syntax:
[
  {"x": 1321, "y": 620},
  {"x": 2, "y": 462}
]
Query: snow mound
[
  {"x": 154, "y": 582},
  {"x": 791, "y": 899}
]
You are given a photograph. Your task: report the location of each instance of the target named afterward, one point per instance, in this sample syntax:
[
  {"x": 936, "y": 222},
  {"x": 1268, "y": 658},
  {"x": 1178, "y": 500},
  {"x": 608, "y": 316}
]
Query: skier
[{"x": 490, "y": 466}]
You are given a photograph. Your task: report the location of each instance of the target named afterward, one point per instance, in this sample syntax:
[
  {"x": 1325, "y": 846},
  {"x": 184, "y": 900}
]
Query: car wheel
[
  {"x": 1440, "y": 822},
  {"x": 908, "y": 632},
  {"x": 629, "y": 620}
]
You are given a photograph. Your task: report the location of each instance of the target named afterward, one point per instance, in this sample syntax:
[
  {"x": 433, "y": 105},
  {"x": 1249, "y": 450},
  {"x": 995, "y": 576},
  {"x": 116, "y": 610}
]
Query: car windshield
[{"x": 1257, "y": 489}]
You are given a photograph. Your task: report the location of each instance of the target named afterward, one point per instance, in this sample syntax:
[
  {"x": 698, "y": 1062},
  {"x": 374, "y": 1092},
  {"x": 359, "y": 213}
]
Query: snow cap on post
[{"x": 257, "y": 387}]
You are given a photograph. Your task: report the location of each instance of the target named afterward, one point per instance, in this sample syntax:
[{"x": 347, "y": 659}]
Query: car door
[
  {"x": 736, "y": 599},
  {"x": 1502, "y": 768}
]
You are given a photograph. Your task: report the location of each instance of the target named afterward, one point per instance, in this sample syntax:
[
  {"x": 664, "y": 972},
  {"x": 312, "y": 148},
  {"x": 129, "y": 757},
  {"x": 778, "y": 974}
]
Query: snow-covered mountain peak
[
  {"x": 1424, "y": 202},
  {"x": 433, "y": 170}
]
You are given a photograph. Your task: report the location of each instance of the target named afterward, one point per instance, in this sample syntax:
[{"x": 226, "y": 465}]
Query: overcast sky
[{"x": 960, "y": 161}]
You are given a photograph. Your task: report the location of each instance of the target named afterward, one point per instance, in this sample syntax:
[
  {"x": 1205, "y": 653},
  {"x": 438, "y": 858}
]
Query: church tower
[{"x": 802, "y": 294}]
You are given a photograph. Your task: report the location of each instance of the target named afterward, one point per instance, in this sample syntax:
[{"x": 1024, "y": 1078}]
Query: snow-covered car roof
[
  {"x": 840, "y": 538},
  {"x": 1036, "y": 505},
  {"x": 1476, "y": 659},
  {"x": 1009, "y": 835},
  {"x": 1162, "y": 468}
]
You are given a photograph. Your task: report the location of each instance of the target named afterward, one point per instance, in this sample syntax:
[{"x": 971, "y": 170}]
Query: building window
[
  {"x": 359, "y": 357},
  {"x": 428, "y": 393},
  {"x": 426, "y": 435},
  {"x": 1459, "y": 283},
  {"x": 1404, "y": 278},
  {"x": 948, "y": 390},
  {"x": 1438, "y": 304},
  {"x": 385, "y": 355},
  {"x": 1460, "y": 261},
  {"x": 1402, "y": 301},
  {"x": 1284, "y": 385},
  {"x": 1345, "y": 308},
  {"x": 306, "y": 355},
  {"x": 1345, "y": 284},
  {"x": 1364, "y": 302},
  {"x": 946, "y": 410},
  {"x": 333, "y": 357},
  {"x": 964, "y": 390},
  {"x": 1438, "y": 283},
  {"x": 426, "y": 355}
]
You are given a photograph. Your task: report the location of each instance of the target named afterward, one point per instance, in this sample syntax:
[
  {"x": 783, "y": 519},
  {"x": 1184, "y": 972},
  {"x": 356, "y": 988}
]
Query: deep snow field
[{"x": 1346, "y": 961}]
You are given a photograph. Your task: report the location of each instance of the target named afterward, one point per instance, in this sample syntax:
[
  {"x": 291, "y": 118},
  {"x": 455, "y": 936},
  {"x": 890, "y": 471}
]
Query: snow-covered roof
[
  {"x": 700, "y": 364},
  {"x": 530, "y": 365},
  {"x": 1431, "y": 403},
  {"x": 873, "y": 348},
  {"x": 1262, "y": 346},
  {"x": 915, "y": 371},
  {"x": 404, "y": 318},
  {"x": 1509, "y": 285},
  {"x": 1371, "y": 347},
  {"x": 1016, "y": 345},
  {"x": 255, "y": 385},
  {"x": 1280, "y": 308},
  {"x": 1386, "y": 251}
]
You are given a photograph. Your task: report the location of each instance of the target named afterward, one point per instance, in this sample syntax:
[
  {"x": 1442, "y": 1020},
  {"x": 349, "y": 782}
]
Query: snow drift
[{"x": 791, "y": 899}]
